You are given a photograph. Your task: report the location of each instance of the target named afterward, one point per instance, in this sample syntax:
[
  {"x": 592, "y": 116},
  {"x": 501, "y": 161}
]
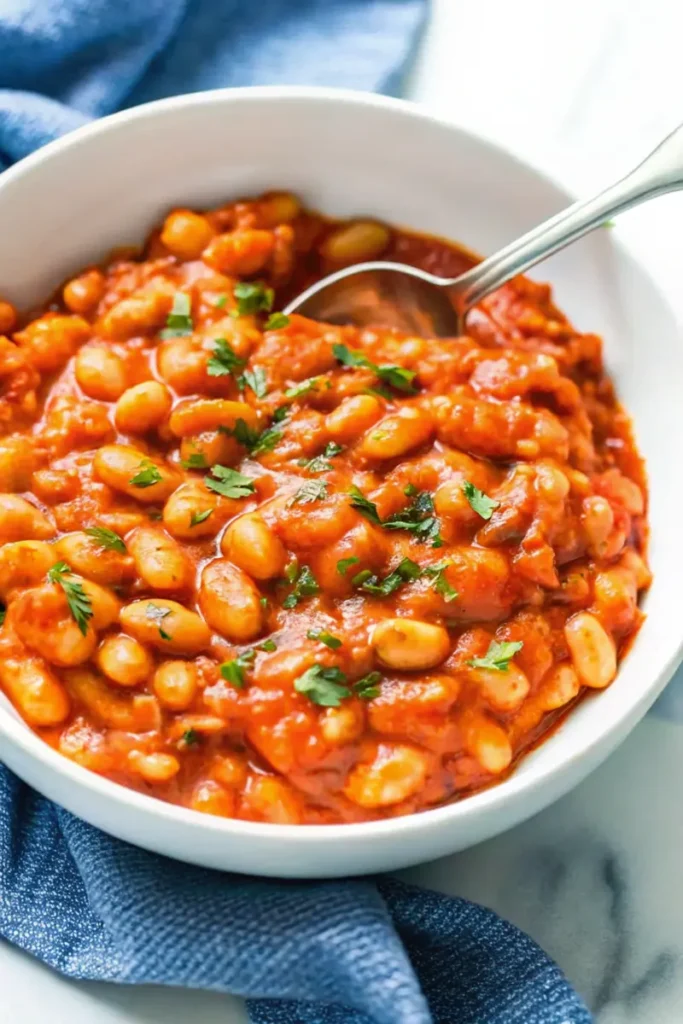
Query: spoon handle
[{"x": 660, "y": 172}]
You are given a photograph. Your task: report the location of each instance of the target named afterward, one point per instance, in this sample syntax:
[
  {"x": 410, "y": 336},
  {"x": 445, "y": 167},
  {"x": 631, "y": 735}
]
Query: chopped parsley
[
  {"x": 410, "y": 491},
  {"x": 498, "y": 656},
  {"x": 312, "y": 490},
  {"x": 147, "y": 475},
  {"x": 179, "y": 320},
  {"x": 321, "y": 463},
  {"x": 191, "y": 737},
  {"x": 305, "y": 585},
  {"x": 396, "y": 377},
  {"x": 255, "y": 379},
  {"x": 200, "y": 517},
  {"x": 229, "y": 482},
  {"x": 106, "y": 539},
  {"x": 323, "y": 686},
  {"x": 157, "y": 614},
  {"x": 196, "y": 460},
  {"x": 221, "y": 301},
  {"x": 333, "y": 642},
  {"x": 251, "y": 439},
  {"x": 367, "y": 688},
  {"x": 267, "y": 645},
  {"x": 304, "y": 387},
  {"x": 441, "y": 584},
  {"x": 224, "y": 360},
  {"x": 345, "y": 563},
  {"x": 277, "y": 320},
  {"x": 3, "y": 612},
  {"x": 80, "y": 605},
  {"x": 234, "y": 671},
  {"x": 479, "y": 502},
  {"x": 405, "y": 572},
  {"x": 367, "y": 508},
  {"x": 419, "y": 519},
  {"x": 253, "y": 297}
]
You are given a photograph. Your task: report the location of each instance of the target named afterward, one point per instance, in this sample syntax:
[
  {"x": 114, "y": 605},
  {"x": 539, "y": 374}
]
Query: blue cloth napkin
[{"x": 95, "y": 908}]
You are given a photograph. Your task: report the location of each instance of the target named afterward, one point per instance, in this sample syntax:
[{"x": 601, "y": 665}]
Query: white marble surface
[{"x": 582, "y": 89}]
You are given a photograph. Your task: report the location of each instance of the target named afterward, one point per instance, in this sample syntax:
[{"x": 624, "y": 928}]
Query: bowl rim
[{"x": 486, "y": 801}]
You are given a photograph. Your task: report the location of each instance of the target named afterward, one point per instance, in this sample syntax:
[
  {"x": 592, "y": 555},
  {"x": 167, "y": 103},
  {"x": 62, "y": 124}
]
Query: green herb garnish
[
  {"x": 367, "y": 508},
  {"x": 345, "y": 563},
  {"x": 367, "y": 688},
  {"x": 267, "y": 645},
  {"x": 191, "y": 737},
  {"x": 224, "y": 360},
  {"x": 305, "y": 585},
  {"x": 333, "y": 642},
  {"x": 418, "y": 518},
  {"x": 179, "y": 320},
  {"x": 200, "y": 517},
  {"x": 147, "y": 475},
  {"x": 312, "y": 490},
  {"x": 304, "y": 387},
  {"x": 196, "y": 460},
  {"x": 479, "y": 502},
  {"x": 405, "y": 572},
  {"x": 321, "y": 463},
  {"x": 441, "y": 584},
  {"x": 78, "y": 601},
  {"x": 221, "y": 302},
  {"x": 395, "y": 376},
  {"x": 253, "y": 297},
  {"x": 498, "y": 656},
  {"x": 106, "y": 539},
  {"x": 255, "y": 379},
  {"x": 234, "y": 671},
  {"x": 277, "y": 320},
  {"x": 323, "y": 686},
  {"x": 229, "y": 482}
]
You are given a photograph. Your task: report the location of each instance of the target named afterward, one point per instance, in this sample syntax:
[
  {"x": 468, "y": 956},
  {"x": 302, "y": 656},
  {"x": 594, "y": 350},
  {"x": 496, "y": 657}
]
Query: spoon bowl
[{"x": 396, "y": 295}]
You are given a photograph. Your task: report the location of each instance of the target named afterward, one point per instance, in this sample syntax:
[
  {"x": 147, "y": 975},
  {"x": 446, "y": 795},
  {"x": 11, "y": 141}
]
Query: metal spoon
[{"x": 412, "y": 300}]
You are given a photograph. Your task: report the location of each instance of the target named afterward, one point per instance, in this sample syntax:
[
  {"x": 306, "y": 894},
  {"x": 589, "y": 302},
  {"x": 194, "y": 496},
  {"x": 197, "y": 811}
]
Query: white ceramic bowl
[{"x": 350, "y": 153}]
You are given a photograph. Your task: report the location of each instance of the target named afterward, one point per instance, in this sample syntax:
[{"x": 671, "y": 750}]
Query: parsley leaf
[
  {"x": 479, "y": 502},
  {"x": 147, "y": 475},
  {"x": 362, "y": 577},
  {"x": 78, "y": 601},
  {"x": 441, "y": 584},
  {"x": 256, "y": 379},
  {"x": 395, "y": 376},
  {"x": 221, "y": 301},
  {"x": 229, "y": 482},
  {"x": 196, "y": 460},
  {"x": 268, "y": 645},
  {"x": 345, "y": 563},
  {"x": 367, "y": 508},
  {"x": 200, "y": 517},
  {"x": 418, "y": 518},
  {"x": 234, "y": 671},
  {"x": 3, "y": 612},
  {"x": 305, "y": 585},
  {"x": 323, "y": 686},
  {"x": 405, "y": 572},
  {"x": 253, "y": 297},
  {"x": 312, "y": 490},
  {"x": 191, "y": 737},
  {"x": 277, "y": 320},
  {"x": 157, "y": 614},
  {"x": 179, "y": 320},
  {"x": 410, "y": 491},
  {"x": 367, "y": 688},
  {"x": 304, "y": 387},
  {"x": 498, "y": 656},
  {"x": 224, "y": 359},
  {"x": 251, "y": 439},
  {"x": 106, "y": 539},
  {"x": 321, "y": 463},
  {"x": 333, "y": 642}
]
